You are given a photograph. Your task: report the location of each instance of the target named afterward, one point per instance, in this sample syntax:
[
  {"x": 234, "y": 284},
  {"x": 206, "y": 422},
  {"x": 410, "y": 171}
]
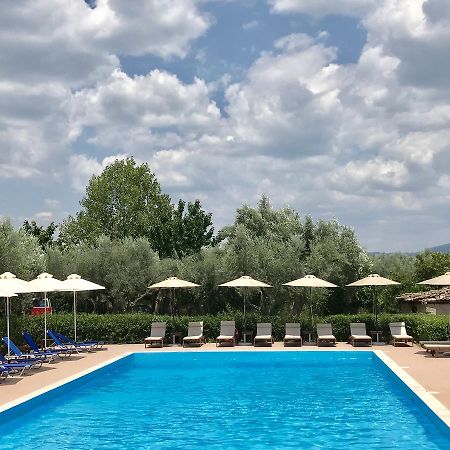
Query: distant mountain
[{"x": 444, "y": 248}]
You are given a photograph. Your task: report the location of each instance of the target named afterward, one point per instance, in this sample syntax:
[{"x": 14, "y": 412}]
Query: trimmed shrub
[{"x": 133, "y": 328}]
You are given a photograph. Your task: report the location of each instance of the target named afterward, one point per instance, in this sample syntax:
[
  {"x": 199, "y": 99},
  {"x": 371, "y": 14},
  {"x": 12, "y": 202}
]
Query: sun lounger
[
  {"x": 227, "y": 333},
  {"x": 157, "y": 335},
  {"x": 399, "y": 334},
  {"x": 293, "y": 334},
  {"x": 358, "y": 334},
  {"x": 4, "y": 373},
  {"x": 59, "y": 343},
  {"x": 19, "y": 365},
  {"x": 195, "y": 334},
  {"x": 437, "y": 349},
  {"x": 35, "y": 350},
  {"x": 18, "y": 354},
  {"x": 424, "y": 343},
  {"x": 263, "y": 334},
  {"x": 325, "y": 334},
  {"x": 81, "y": 344}
]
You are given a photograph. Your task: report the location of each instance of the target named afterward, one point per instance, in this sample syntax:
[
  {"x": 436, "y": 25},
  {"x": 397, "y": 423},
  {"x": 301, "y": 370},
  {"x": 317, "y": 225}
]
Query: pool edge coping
[
  {"x": 27, "y": 397},
  {"x": 441, "y": 411}
]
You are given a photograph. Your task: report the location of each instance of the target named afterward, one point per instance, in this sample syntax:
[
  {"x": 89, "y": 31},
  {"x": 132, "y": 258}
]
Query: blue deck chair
[
  {"x": 23, "y": 356},
  {"x": 58, "y": 342},
  {"x": 19, "y": 365},
  {"x": 80, "y": 345},
  {"x": 4, "y": 373},
  {"x": 61, "y": 352},
  {"x": 68, "y": 340}
]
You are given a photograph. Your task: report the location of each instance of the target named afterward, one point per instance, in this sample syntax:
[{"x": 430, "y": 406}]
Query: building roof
[{"x": 433, "y": 296}]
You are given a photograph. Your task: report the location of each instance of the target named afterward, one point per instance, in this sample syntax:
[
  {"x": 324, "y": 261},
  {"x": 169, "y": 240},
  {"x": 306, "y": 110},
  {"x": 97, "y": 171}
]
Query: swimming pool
[{"x": 223, "y": 400}]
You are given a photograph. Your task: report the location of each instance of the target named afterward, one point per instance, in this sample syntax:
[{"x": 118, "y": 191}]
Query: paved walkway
[{"x": 432, "y": 373}]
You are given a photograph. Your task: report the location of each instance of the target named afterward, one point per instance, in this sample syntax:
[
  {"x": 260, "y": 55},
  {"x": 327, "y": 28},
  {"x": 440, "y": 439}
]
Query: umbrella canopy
[
  {"x": 46, "y": 283},
  {"x": 76, "y": 284},
  {"x": 374, "y": 280},
  {"x": 310, "y": 281},
  {"x": 10, "y": 283},
  {"x": 245, "y": 281},
  {"x": 441, "y": 280},
  {"x": 173, "y": 283}
]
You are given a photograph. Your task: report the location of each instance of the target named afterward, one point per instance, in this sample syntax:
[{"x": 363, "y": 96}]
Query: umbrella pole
[
  {"x": 7, "y": 323},
  {"x": 45, "y": 319},
  {"x": 311, "y": 307},
  {"x": 245, "y": 298},
  {"x": 375, "y": 307},
  {"x": 75, "y": 315}
]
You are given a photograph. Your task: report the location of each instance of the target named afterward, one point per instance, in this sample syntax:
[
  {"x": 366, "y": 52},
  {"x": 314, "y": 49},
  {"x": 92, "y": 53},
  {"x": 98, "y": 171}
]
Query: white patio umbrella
[
  {"x": 173, "y": 283},
  {"x": 374, "y": 280},
  {"x": 245, "y": 282},
  {"x": 310, "y": 281},
  {"x": 10, "y": 283},
  {"x": 45, "y": 283},
  {"x": 75, "y": 283},
  {"x": 441, "y": 280}
]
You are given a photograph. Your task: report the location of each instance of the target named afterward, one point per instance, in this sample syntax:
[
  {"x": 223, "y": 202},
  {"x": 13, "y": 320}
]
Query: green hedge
[{"x": 133, "y": 328}]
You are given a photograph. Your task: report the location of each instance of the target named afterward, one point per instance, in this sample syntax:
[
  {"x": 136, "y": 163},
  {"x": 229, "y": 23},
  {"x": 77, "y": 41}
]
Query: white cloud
[{"x": 320, "y": 8}]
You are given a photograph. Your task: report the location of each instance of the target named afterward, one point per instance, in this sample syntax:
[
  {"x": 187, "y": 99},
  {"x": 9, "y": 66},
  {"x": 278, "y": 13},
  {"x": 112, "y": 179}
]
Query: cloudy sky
[{"x": 336, "y": 108}]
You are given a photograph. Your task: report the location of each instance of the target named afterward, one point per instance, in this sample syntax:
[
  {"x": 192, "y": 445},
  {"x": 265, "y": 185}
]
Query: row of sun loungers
[
  {"x": 18, "y": 362},
  {"x": 228, "y": 334}
]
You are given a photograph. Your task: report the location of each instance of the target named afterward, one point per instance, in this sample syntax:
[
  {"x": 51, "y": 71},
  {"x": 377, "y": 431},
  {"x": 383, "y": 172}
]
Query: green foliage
[
  {"x": 20, "y": 252},
  {"x": 43, "y": 234},
  {"x": 431, "y": 264},
  {"x": 133, "y": 328}
]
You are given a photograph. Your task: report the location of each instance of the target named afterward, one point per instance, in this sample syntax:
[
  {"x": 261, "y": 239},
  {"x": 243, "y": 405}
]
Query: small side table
[
  {"x": 247, "y": 337},
  {"x": 310, "y": 335},
  {"x": 177, "y": 338},
  {"x": 376, "y": 337}
]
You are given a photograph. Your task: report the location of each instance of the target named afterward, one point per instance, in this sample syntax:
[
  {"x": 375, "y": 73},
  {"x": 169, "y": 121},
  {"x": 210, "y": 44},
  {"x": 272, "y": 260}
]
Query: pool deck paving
[{"x": 433, "y": 374}]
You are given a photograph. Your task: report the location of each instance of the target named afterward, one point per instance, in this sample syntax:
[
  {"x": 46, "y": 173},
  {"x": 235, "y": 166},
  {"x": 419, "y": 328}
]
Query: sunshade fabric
[
  {"x": 441, "y": 280},
  {"x": 373, "y": 280},
  {"x": 9, "y": 282},
  {"x": 75, "y": 283},
  {"x": 310, "y": 281},
  {"x": 46, "y": 283},
  {"x": 245, "y": 281},
  {"x": 173, "y": 282},
  {"x": 6, "y": 294}
]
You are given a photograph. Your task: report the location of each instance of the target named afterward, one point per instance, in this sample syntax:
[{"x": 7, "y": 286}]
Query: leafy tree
[
  {"x": 430, "y": 264},
  {"x": 43, "y": 234},
  {"x": 192, "y": 229},
  {"x": 126, "y": 201}
]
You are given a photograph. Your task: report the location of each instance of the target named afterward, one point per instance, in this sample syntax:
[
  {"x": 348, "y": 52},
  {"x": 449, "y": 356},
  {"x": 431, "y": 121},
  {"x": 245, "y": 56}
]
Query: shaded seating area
[
  {"x": 263, "y": 334},
  {"x": 325, "y": 334},
  {"x": 293, "y": 335},
  {"x": 358, "y": 334},
  {"x": 157, "y": 335},
  {"x": 399, "y": 334},
  {"x": 227, "y": 333},
  {"x": 195, "y": 334}
]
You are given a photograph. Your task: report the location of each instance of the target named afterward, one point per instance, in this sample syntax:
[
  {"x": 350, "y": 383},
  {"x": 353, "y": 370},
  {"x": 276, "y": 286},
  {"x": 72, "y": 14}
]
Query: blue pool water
[{"x": 230, "y": 400}]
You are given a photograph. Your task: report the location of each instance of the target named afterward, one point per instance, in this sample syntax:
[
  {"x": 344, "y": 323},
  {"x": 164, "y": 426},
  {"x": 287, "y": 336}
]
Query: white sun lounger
[
  {"x": 437, "y": 349},
  {"x": 293, "y": 334},
  {"x": 227, "y": 333},
  {"x": 157, "y": 335},
  {"x": 399, "y": 334},
  {"x": 325, "y": 334},
  {"x": 358, "y": 333},
  {"x": 195, "y": 334},
  {"x": 263, "y": 334}
]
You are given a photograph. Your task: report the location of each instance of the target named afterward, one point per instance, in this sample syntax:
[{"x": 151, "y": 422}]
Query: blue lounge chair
[
  {"x": 68, "y": 340},
  {"x": 61, "y": 352},
  {"x": 19, "y": 365},
  {"x": 59, "y": 343},
  {"x": 4, "y": 373},
  {"x": 24, "y": 356}
]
